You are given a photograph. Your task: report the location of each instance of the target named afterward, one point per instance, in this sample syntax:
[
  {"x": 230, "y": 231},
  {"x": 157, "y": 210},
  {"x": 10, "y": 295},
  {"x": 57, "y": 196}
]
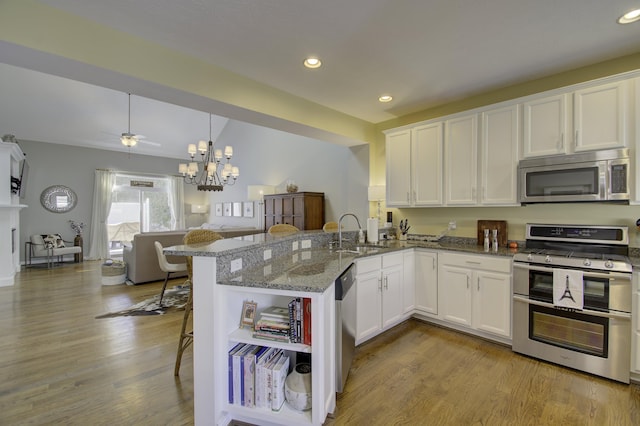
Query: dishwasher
[{"x": 345, "y": 324}]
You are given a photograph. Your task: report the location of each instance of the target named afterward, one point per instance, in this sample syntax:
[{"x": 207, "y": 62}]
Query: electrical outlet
[
  {"x": 306, "y": 244},
  {"x": 294, "y": 246},
  {"x": 236, "y": 265},
  {"x": 452, "y": 225},
  {"x": 267, "y": 254}
]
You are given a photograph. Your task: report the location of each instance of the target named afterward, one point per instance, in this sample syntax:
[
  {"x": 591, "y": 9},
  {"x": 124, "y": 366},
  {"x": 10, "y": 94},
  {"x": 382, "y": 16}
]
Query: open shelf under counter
[
  {"x": 286, "y": 415},
  {"x": 245, "y": 335},
  {"x": 217, "y": 314}
]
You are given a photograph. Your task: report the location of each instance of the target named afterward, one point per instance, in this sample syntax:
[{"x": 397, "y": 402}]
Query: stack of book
[
  {"x": 300, "y": 320},
  {"x": 257, "y": 375},
  {"x": 273, "y": 324},
  {"x": 286, "y": 324}
]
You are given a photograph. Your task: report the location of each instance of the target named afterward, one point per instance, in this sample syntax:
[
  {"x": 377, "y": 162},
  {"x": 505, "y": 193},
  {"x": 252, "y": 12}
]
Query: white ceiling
[{"x": 423, "y": 52}]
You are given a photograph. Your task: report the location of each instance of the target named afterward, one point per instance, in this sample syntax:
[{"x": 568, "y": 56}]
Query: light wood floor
[{"x": 60, "y": 365}]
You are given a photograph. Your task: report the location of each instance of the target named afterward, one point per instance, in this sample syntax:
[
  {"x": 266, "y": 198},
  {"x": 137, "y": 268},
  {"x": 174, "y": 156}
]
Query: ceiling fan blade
[{"x": 149, "y": 142}]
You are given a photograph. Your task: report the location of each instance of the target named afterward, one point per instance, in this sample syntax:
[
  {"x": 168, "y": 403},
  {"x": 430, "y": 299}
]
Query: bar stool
[{"x": 186, "y": 337}]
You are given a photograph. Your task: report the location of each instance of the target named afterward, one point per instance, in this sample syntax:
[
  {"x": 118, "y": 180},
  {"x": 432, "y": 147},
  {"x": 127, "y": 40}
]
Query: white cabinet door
[
  {"x": 409, "y": 282},
  {"x": 600, "y": 117},
  {"x": 368, "y": 304},
  {"x": 454, "y": 294},
  {"x": 499, "y": 156},
  {"x": 426, "y": 279},
  {"x": 635, "y": 325},
  {"x": 492, "y": 303},
  {"x": 426, "y": 165},
  {"x": 545, "y": 126},
  {"x": 461, "y": 160},
  {"x": 392, "y": 300},
  {"x": 398, "y": 174}
]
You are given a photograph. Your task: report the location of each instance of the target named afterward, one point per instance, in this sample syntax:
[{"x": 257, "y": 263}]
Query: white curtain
[
  {"x": 102, "y": 189},
  {"x": 176, "y": 202}
]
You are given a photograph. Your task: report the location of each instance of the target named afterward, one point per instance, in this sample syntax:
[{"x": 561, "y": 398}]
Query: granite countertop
[
  {"x": 304, "y": 271},
  {"x": 315, "y": 270}
]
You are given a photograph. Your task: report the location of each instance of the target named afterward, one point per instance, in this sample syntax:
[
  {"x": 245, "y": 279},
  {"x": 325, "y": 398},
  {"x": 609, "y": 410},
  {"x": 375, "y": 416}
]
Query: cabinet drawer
[
  {"x": 368, "y": 264},
  {"x": 484, "y": 262},
  {"x": 395, "y": 259}
]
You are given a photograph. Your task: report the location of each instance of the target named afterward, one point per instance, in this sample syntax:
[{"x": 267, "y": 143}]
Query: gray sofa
[{"x": 142, "y": 260}]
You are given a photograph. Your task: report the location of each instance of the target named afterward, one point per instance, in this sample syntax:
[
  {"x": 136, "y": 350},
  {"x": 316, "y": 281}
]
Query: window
[{"x": 139, "y": 204}]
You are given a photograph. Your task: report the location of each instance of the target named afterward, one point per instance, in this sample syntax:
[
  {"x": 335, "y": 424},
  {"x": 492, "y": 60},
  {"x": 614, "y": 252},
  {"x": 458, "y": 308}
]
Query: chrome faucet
[{"x": 340, "y": 227}]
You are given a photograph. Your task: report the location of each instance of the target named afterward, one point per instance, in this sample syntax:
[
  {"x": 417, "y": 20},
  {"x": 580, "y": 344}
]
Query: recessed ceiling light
[
  {"x": 630, "y": 17},
  {"x": 312, "y": 62},
  {"x": 385, "y": 98}
]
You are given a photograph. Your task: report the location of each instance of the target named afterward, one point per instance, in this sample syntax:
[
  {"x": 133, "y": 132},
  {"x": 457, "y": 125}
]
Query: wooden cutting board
[{"x": 500, "y": 225}]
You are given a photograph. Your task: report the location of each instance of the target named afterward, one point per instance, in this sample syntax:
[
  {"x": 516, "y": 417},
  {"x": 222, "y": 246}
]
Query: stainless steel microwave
[{"x": 587, "y": 176}]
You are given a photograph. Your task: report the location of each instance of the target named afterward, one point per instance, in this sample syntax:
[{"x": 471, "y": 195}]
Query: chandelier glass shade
[{"x": 209, "y": 172}]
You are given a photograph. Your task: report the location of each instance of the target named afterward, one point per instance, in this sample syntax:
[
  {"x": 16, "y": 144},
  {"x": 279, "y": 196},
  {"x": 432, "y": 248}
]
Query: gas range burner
[
  {"x": 563, "y": 259},
  {"x": 581, "y": 247}
]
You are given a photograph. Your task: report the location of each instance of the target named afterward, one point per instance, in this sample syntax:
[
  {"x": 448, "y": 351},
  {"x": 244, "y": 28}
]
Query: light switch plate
[
  {"x": 267, "y": 254},
  {"x": 306, "y": 244},
  {"x": 294, "y": 246}
]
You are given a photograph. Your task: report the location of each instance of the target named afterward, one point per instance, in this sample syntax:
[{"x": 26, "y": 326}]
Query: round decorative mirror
[{"x": 58, "y": 199}]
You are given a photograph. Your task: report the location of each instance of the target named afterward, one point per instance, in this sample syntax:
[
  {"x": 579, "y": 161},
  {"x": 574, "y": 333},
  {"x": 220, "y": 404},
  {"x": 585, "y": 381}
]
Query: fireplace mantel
[{"x": 10, "y": 157}]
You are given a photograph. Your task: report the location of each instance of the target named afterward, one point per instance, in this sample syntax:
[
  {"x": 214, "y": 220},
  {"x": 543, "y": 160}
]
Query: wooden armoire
[{"x": 304, "y": 210}]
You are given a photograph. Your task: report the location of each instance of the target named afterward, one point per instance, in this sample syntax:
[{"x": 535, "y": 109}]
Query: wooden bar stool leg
[{"x": 186, "y": 338}]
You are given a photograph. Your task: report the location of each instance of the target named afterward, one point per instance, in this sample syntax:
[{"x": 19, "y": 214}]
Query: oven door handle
[
  {"x": 609, "y": 275},
  {"x": 616, "y": 315}
]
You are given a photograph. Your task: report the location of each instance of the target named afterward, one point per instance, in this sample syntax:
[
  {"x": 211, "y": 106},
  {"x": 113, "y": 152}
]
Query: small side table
[{"x": 77, "y": 241}]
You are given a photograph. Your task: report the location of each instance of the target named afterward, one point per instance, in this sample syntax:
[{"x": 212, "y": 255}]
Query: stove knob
[
  {"x": 586, "y": 262},
  {"x": 547, "y": 259},
  {"x": 608, "y": 264}
]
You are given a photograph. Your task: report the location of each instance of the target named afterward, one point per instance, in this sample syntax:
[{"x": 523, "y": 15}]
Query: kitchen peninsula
[
  {"x": 269, "y": 270},
  {"x": 289, "y": 271}
]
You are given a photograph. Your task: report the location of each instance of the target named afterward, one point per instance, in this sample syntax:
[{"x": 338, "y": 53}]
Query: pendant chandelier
[
  {"x": 128, "y": 139},
  {"x": 209, "y": 173}
]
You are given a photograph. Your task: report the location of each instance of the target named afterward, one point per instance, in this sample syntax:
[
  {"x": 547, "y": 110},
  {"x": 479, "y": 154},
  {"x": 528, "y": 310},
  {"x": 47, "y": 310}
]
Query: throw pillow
[{"x": 53, "y": 241}]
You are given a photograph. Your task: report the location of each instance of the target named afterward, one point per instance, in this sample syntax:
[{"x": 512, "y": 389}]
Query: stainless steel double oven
[{"x": 594, "y": 339}]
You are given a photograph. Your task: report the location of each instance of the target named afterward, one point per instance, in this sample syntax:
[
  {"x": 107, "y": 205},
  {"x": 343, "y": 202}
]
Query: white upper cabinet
[
  {"x": 426, "y": 164},
  {"x": 461, "y": 160},
  {"x": 600, "y": 117},
  {"x": 499, "y": 156},
  {"x": 414, "y": 166},
  {"x": 545, "y": 126},
  {"x": 398, "y": 155},
  {"x": 592, "y": 118}
]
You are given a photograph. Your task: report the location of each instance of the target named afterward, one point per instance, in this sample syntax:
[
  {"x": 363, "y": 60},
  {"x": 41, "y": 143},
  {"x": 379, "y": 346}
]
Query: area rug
[{"x": 174, "y": 299}]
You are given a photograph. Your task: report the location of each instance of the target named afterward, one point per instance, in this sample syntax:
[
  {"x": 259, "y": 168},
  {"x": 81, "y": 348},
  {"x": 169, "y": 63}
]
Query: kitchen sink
[{"x": 360, "y": 249}]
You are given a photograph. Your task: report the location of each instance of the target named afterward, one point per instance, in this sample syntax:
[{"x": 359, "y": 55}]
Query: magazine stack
[{"x": 273, "y": 324}]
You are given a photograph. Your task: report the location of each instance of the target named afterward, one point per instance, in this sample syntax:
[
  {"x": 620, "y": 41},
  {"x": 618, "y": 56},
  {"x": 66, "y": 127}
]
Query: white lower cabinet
[
  {"x": 379, "y": 294},
  {"x": 474, "y": 291},
  {"x": 426, "y": 282},
  {"x": 635, "y": 327}
]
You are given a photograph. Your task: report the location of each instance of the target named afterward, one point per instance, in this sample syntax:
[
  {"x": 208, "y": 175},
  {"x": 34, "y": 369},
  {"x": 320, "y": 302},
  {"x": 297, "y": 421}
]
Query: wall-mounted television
[{"x": 19, "y": 184}]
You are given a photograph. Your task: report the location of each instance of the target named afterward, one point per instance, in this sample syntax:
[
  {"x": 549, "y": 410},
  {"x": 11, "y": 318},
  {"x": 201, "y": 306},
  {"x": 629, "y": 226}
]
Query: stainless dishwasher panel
[{"x": 345, "y": 325}]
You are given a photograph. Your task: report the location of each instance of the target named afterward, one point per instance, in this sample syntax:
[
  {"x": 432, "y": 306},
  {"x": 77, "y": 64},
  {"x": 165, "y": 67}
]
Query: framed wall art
[
  {"x": 237, "y": 209},
  {"x": 218, "y": 209},
  {"x": 247, "y": 209},
  {"x": 227, "y": 209}
]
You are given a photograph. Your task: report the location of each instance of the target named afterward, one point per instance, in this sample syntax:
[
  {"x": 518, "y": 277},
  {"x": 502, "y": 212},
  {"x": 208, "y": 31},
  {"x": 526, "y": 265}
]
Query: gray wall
[
  {"x": 271, "y": 157},
  {"x": 265, "y": 157}
]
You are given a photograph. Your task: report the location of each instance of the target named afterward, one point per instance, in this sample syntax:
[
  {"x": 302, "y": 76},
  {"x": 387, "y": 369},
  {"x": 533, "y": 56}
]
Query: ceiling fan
[{"x": 129, "y": 139}]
